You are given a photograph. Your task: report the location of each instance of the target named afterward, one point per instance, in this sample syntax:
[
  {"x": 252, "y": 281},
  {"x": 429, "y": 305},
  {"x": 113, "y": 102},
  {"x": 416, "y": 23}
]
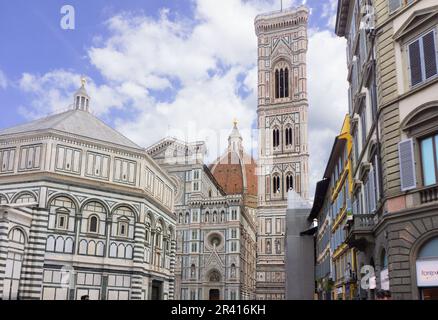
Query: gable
[
  {"x": 415, "y": 20},
  {"x": 281, "y": 50}
]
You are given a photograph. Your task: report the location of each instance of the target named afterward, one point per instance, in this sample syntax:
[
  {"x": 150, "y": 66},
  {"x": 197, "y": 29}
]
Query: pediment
[
  {"x": 214, "y": 261},
  {"x": 281, "y": 50},
  {"x": 415, "y": 20},
  {"x": 422, "y": 116}
]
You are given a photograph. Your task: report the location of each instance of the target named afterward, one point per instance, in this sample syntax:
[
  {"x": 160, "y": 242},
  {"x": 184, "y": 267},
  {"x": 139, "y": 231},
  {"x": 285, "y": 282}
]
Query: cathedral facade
[
  {"x": 84, "y": 212},
  {"x": 216, "y": 219},
  {"x": 283, "y": 148}
]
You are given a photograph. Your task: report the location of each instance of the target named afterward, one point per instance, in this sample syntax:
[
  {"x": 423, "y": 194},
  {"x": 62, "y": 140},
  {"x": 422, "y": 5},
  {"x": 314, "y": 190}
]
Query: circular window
[{"x": 215, "y": 240}]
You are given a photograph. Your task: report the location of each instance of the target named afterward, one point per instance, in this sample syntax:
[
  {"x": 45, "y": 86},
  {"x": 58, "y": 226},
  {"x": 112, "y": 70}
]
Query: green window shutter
[{"x": 407, "y": 165}]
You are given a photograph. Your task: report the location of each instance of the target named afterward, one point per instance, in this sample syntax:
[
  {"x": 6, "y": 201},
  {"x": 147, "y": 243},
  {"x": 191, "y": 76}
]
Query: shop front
[{"x": 427, "y": 270}]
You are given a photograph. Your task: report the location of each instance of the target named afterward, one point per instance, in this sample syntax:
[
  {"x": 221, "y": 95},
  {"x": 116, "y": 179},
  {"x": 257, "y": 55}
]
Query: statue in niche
[
  {"x": 268, "y": 246},
  {"x": 233, "y": 271},
  {"x": 277, "y": 246}
]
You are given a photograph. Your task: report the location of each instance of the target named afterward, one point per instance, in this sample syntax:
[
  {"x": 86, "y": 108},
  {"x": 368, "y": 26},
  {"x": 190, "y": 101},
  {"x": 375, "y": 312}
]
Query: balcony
[
  {"x": 429, "y": 195},
  {"x": 360, "y": 231}
]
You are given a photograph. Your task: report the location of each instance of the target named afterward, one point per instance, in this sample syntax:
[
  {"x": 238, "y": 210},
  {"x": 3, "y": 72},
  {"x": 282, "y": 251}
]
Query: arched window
[
  {"x": 276, "y": 184},
  {"x": 17, "y": 236},
  {"x": 123, "y": 226},
  {"x": 121, "y": 251},
  {"x": 68, "y": 245},
  {"x": 286, "y": 83},
  {"x": 429, "y": 250},
  {"x": 26, "y": 198},
  {"x": 100, "y": 249},
  {"x": 92, "y": 224},
  {"x": 282, "y": 83},
  {"x": 288, "y": 136},
  {"x": 180, "y": 218},
  {"x": 91, "y": 251},
  {"x": 83, "y": 247},
  {"x": 50, "y": 244},
  {"x": 222, "y": 216},
  {"x": 113, "y": 250},
  {"x": 276, "y": 138},
  {"x": 128, "y": 252},
  {"x": 94, "y": 213},
  {"x": 59, "y": 246},
  {"x": 289, "y": 182}
]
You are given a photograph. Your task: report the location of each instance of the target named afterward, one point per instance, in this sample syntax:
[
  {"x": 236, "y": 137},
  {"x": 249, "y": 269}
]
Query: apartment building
[{"x": 392, "y": 61}]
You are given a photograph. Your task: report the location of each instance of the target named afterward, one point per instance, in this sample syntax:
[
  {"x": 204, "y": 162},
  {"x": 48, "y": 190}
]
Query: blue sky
[{"x": 157, "y": 66}]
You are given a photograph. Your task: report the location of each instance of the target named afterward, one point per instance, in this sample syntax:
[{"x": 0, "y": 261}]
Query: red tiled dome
[{"x": 234, "y": 174}]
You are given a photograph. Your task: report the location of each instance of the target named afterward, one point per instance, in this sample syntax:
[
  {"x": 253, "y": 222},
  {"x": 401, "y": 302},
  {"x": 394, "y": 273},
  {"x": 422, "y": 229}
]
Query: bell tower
[{"x": 283, "y": 149}]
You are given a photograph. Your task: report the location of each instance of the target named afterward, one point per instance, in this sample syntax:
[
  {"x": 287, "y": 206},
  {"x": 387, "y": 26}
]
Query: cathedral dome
[{"x": 235, "y": 171}]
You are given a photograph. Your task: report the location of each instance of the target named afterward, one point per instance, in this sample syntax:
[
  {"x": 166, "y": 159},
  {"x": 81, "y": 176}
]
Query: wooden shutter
[
  {"x": 372, "y": 190},
  {"x": 407, "y": 165},
  {"x": 430, "y": 65},
  {"x": 415, "y": 63}
]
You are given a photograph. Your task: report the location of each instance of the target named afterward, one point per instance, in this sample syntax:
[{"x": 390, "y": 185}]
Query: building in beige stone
[
  {"x": 393, "y": 59},
  {"x": 216, "y": 227},
  {"x": 283, "y": 149}
]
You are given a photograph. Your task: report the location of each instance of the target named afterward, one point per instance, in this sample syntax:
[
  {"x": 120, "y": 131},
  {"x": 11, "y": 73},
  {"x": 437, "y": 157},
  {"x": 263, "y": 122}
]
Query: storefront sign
[
  {"x": 427, "y": 273},
  {"x": 384, "y": 280}
]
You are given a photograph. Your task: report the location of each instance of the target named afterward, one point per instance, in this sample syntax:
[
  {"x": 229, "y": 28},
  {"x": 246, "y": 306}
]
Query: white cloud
[
  {"x": 329, "y": 9},
  {"x": 328, "y": 89},
  {"x": 3, "y": 80},
  {"x": 203, "y": 66}
]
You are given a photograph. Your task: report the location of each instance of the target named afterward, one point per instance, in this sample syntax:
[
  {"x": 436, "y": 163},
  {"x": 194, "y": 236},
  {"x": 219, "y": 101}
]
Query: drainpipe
[{"x": 376, "y": 115}]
